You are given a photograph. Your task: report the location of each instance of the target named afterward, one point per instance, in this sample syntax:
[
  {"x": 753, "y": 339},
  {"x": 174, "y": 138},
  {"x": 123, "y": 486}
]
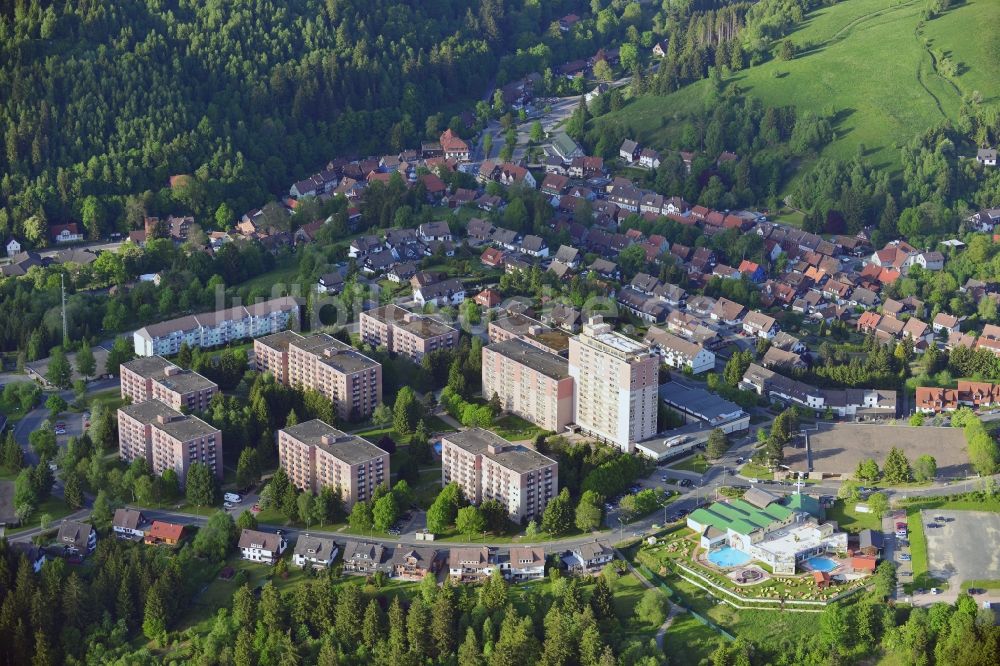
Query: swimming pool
[
  {"x": 728, "y": 557},
  {"x": 821, "y": 564}
]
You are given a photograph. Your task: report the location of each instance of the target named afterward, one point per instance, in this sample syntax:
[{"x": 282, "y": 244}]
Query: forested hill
[{"x": 110, "y": 98}]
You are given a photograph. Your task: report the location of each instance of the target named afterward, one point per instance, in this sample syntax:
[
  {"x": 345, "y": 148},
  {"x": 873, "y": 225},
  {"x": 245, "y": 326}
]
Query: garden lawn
[
  {"x": 695, "y": 463},
  {"x": 56, "y": 509},
  {"x": 850, "y": 520},
  {"x": 755, "y": 471},
  {"x": 514, "y": 428}
]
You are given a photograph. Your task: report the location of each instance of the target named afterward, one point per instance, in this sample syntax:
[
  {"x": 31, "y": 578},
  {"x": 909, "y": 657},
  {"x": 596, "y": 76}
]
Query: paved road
[{"x": 32, "y": 421}]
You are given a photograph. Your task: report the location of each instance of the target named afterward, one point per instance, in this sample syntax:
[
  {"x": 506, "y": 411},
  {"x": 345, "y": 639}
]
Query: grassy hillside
[{"x": 870, "y": 63}]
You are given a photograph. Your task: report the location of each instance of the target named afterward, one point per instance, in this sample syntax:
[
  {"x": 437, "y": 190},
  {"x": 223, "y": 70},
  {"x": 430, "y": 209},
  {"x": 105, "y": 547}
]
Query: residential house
[
  {"x": 330, "y": 283},
  {"x": 987, "y": 156},
  {"x": 931, "y": 399},
  {"x": 13, "y": 247},
  {"x": 761, "y": 325},
  {"x": 534, "y": 246},
  {"x": 409, "y": 563},
  {"x": 453, "y": 147},
  {"x": 76, "y": 539},
  {"x": 870, "y": 543},
  {"x": 361, "y": 557},
  {"x": 780, "y": 359},
  {"x": 526, "y": 564},
  {"x": 488, "y": 298},
  {"x": 629, "y": 151},
  {"x": 787, "y": 342},
  {"x": 65, "y": 233},
  {"x": 586, "y": 167},
  {"x": 129, "y": 524},
  {"x": 728, "y": 312},
  {"x": 264, "y": 547},
  {"x": 470, "y": 565},
  {"x": 649, "y": 158},
  {"x": 446, "y": 292},
  {"x": 568, "y": 255},
  {"x": 161, "y": 532},
  {"x": 752, "y": 270},
  {"x": 492, "y": 257},
  {"x": 946, "y": 322},
  {"x": 434, "y": 231},
  {"x": 680, "y": 353},
  {"x": 317, "y": 552},
  {"x": 588, "y": 557},
  {"x": 565, "y": 147}
]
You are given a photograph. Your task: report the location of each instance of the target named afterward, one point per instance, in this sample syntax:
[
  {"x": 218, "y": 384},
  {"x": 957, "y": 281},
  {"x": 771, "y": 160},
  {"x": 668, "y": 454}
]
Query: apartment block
[
  {"x": 348, "y": 378},
  {"x": 211, "y": 329},
  {"x": 156, "y": 378},
  {"x": 270, "y": 354},
  {"x": 316, "y": 455},
  {"x": 167, "y": 439},
  {"x": 486, "y": 466},
  {"x": 531, "y": 331},
  {"x": 616, "y": 381},
  {"x": 530, "y": 383},
  {"x": 404, "y": 332}
]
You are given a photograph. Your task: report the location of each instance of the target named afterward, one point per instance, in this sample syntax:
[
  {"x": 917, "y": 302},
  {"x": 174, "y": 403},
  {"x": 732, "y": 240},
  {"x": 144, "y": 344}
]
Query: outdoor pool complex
[
  {"x": 824, "y": 564},
  {"x": 728, "y": 557}
]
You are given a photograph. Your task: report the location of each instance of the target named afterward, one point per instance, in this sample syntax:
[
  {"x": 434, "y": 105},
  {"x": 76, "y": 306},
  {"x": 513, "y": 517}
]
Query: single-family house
[
  {"x": 629, "y": 151},
  {"x": 265, "y": 547},
  {"x": 76, "y": 538},
  {"x": 752, "y": 270},
  {"x": 526, "y": 563},
  {"x": 588, "y": 557},
  {"x": 760, "y": 325},
  {"x": 453, "y": 147},
  {"x": 946, "y": 322},
  {"x": 649, "y": 158},
  {"x": 434, "y": 231},
  {"x": 534, "y": 246},
  {"x": 361, "y": 557},
  {"x": 162, "y": 532},
  {"x": 471, "y": 564},
  {"x": 65, "y": 233},
  {"x": 314, "y": 551},
  {"x": 728, "y": 312},
  {"x": 129, "y": 524},
  {"x": 445, "y": 292},
  {"x": 987, "y": 156},
  {"x": 409, "y": 563},
  {"x": 13, "y": 246}
]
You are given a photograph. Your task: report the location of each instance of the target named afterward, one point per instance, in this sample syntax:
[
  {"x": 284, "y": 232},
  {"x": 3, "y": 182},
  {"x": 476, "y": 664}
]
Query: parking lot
[{"x": 965, "y": 547}]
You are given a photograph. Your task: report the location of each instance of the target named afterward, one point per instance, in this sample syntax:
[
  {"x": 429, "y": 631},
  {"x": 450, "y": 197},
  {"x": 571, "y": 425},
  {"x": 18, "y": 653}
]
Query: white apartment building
[
  {"x": 680, "y": 353},
  {"x": 486, "y": 466},
  {"x": 615, "y": 381},
  {"x": 212, "y": 329}
]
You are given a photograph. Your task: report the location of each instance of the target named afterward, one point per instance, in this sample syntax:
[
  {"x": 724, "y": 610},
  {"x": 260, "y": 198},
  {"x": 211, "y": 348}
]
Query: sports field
[{"x": 867, "y": 63}]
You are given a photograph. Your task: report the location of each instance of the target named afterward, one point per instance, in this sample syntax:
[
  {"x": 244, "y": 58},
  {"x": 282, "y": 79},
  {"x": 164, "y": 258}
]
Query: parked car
[
  {"x": 904, "y": 557},
  {"x": 935, "y": 590},
  {"x": 739, "y": 461},
  {"x": 939, "y": 519}
]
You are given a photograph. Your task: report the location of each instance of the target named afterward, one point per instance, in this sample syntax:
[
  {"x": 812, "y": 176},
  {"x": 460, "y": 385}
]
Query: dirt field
[{"x": 837, "y": 448}]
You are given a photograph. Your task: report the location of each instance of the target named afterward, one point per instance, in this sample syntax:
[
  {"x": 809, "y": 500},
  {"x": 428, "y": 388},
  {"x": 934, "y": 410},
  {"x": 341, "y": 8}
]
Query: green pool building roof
[{"x": 739, "y": 516}]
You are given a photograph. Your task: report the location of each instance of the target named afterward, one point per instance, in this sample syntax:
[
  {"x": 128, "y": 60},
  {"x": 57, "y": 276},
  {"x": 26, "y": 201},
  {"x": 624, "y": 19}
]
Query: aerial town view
[{"x": 500, "y": 333}]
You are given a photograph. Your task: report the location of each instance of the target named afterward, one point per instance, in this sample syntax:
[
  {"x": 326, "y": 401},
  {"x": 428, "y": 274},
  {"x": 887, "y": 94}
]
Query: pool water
[
  {"x": 728, "y": 557},
  {"x": 821, "y": 564}
]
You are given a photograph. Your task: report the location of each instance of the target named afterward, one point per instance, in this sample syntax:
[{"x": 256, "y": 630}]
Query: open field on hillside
[{"x": 867, "y": 63}]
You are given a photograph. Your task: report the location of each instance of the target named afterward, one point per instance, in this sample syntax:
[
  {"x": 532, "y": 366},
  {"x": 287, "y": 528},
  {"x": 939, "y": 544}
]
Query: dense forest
[{"x": 105, "y": 101}]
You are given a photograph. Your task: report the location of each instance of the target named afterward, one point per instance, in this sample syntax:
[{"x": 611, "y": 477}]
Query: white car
[{"x": 228, "y": 505}]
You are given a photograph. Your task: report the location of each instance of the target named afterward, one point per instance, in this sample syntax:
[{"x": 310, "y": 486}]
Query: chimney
[
  {"x": 327, "y": 439},
  {"x": 172, "y": 370},
  {"x": 163, "y": 418},
  {"x": 494, "y": 448}
]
